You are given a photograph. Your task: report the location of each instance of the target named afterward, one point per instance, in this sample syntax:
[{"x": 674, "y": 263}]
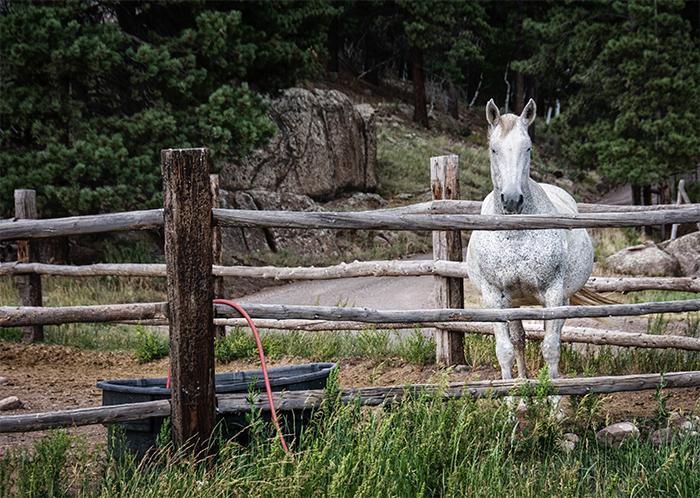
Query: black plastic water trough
[{"x": 140, "y": 435}]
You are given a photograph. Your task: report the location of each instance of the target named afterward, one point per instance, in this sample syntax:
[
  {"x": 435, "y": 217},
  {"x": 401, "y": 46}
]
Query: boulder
[
  {"x": 645, "y": 259},
  {"x": 686, "y": 250},
  {"x": 11, "y": 403},
  {"x": 568, "y": 442},
  {"x": 324, "y": 145},
  {"x": 616, "y": 434},
  {"x": 238, "y": 243}
]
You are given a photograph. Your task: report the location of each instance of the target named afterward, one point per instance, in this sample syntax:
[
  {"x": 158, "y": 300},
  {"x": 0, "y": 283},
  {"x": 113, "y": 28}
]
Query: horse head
[{"x": 510, "y": 146}]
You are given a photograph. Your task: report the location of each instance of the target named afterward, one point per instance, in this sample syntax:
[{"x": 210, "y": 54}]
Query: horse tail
[{"x": 587, "y": 297}]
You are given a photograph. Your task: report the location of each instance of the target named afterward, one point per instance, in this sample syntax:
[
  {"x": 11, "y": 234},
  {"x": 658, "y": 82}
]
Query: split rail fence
[{"x": 194, "y": 272}]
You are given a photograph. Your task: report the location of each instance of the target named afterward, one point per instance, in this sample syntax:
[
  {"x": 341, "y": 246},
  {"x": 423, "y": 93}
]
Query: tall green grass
[
  {"x": 426, "y": 446},
  {"x": 403, "y": 162}
]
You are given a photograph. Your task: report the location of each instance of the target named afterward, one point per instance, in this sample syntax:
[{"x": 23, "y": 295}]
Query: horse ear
[
  {"x": 529, "y": 113},
  {"x": 493, "y": 115}
]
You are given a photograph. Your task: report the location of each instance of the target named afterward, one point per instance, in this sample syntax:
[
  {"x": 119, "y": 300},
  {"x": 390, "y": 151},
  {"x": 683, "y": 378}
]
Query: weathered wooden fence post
[
  {"x": 28, "y": 252},
  {"x": 449, "y": 292},
  {"x": 218, "y": 252},
  {"x": 188, "y": 257}
]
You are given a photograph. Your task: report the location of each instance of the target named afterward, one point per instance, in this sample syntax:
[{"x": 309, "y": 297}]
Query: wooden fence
[{"x": 190, "y": 224}]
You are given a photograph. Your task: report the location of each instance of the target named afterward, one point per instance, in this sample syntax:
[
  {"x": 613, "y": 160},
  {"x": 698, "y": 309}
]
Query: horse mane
[{"x": 507, "y": 123}]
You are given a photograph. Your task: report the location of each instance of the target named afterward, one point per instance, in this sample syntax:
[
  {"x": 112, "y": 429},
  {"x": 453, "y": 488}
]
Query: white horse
[{"x": 514, "y": 267}]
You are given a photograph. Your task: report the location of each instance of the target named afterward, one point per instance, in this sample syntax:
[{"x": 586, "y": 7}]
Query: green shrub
[
  {"x": 416, "y": 348},
  {"x": 152, "y": 345}
]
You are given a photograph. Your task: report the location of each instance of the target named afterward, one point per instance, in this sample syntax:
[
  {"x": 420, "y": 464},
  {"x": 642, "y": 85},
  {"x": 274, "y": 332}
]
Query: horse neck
[{"x": 536, "y": 199}]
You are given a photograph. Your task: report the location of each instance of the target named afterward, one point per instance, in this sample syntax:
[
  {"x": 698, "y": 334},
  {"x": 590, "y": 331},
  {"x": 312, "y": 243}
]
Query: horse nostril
[{"x": 521, "y": 200}]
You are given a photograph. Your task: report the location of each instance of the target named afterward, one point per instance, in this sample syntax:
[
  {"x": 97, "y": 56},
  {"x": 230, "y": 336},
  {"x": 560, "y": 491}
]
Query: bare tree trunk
[
  {"x": 453, "y": 101},
  {"x": 420, "y": 114},
  {"x": 636, "y": 195},
  {"x": 333, "y": 45}
]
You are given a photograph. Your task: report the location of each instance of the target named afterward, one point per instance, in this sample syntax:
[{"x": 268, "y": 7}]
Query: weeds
[
  {"x": 152, "y": 345},
  {"x": 415, "y": 347}
]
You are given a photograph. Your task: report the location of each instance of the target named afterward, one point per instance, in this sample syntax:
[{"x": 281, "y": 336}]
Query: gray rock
[
  {"x": 359, "y": 201},
  {"x": 240, "y": 242},
  {"x": 616, "y": 434},
  {"x": 11, "y": 403},
  {"x": 568, "y": 442},
  {"x": 324, "y": 145},
  {"x": 686, "y": 250},
  {"x": 3, "y": 380},
  {"x": 662, "y": 437},
  {"x": 645, "y": 259}
]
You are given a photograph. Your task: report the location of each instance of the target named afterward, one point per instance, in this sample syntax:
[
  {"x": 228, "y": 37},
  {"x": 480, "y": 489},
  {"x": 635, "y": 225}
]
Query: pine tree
[
  {"x": 628, "y": 76},
  {"x": 91, "y": 91}
]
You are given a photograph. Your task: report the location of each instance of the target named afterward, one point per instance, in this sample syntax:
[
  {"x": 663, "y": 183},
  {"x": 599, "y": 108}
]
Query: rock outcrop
[
  {"x": 241, "y": 242},
  {"x": 324, "y": 145},
  {"x": 686, "y": 250},
  {"x": 645, "y": 259}
]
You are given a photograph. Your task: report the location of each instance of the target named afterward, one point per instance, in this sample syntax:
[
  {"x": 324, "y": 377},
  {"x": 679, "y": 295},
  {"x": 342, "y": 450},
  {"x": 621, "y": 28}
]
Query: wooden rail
[
  {"x": 395, "y": 268},
  {"x": 368, "y": 220},
  {"x": 372, "y": 396},
  {"x": 22, "y": 316}
]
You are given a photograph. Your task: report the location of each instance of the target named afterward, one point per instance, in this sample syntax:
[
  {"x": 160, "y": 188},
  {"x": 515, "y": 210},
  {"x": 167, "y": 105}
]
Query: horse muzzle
[{"x": 512, "y": 204}]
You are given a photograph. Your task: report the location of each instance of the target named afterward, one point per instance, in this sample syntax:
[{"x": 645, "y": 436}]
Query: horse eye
[{"x": 493, "y": 151}]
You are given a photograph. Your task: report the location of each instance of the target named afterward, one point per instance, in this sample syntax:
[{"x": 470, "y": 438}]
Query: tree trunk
[
  {"x": 333, "y": 66},
  {"x": 646, "y": 194},
  {"x": 420, "y": 114},
  {"x": 637, "y": 195},
  {"x": 453, "y": 101}
]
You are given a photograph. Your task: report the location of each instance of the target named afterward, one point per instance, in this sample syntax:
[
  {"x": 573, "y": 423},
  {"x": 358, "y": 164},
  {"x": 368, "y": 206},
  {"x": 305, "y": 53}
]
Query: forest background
[{"x": 91, "y": 91}]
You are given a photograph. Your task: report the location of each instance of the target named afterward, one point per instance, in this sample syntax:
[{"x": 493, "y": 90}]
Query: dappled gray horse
[{"x": 514, "y": 267}]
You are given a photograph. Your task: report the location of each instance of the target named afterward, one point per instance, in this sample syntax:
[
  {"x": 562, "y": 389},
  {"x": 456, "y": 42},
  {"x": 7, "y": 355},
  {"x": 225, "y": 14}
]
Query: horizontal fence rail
[
  {"x": 22, "y": 316},
  {"x": 81, "y": 225},
  {"x": 344, "y": 270},
  {"x": 474, "y": 207},
  {"x": 369, "y": 396},
  {"x": 369, "y": 220},
  {"x": 289, "y": 312}
]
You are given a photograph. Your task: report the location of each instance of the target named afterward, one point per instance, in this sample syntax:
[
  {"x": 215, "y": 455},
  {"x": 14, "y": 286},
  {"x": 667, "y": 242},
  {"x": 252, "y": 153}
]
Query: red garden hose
[{"x": 262, "y": 362}]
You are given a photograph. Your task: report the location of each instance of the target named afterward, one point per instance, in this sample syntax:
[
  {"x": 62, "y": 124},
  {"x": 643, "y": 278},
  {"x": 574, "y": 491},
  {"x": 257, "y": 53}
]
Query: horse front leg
[
  {"x": 551, "y": 346},
  {"x": 493, "y": 298},
  {"x": 517, "y": 337}
]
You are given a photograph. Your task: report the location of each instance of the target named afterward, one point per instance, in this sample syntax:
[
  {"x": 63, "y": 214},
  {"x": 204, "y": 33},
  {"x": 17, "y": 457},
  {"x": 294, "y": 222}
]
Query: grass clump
[
  {"x": 415, "y": 347},
  {"x": 152, "y": 346}
]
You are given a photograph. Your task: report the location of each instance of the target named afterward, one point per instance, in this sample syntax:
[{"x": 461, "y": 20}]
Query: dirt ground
[{"x": 49, "y": 378}]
